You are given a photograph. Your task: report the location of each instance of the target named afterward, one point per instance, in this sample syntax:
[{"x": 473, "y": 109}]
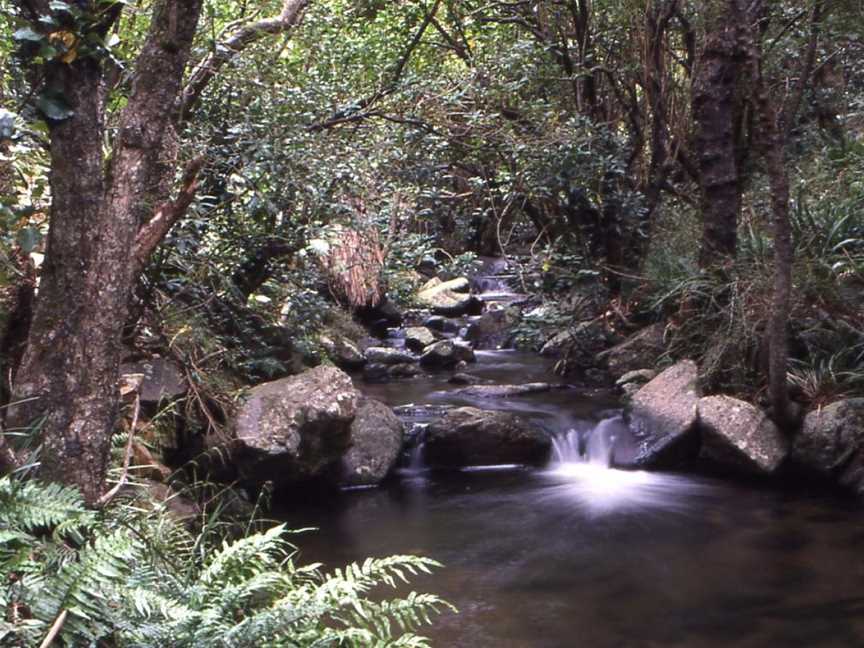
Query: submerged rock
[
  {"x": 447, "y": 353},
  {"x": 831, "y": 443},
  {"x": 739, "y": 435},
  {"x": 448, "y": 297},
  {"x": 376, "y": 441},
  {"x": 296, "y": 427},
  {"x": 663, "y": 415},
  {"x": 504, "y": 391},
  {"x": 464, "y": 379},
  {"x": 468, "y": 436},
  {"x": 418, "y": 338}
]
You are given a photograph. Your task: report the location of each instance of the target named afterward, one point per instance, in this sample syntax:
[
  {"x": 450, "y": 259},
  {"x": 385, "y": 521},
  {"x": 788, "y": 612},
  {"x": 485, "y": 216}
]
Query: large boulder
[
  {"x": 388, "y": 356},
  {"x": 831, "y": 443},
  {"x": 376, "y": 441},
  {"x": 663, "y": 415},
  {"x": 640, "y": 350},
  {"x": 494, "y": 329},
  {"x": 739, "y": 436},
  {"x": 449, "y": 297},
  {"x": 418, "y": 338},
  {"x": 342, "y": 352},
  {"x": 295, "y": 428},
  {"x": 468, "y": 436},
  {"x": 446, "y": 353}
]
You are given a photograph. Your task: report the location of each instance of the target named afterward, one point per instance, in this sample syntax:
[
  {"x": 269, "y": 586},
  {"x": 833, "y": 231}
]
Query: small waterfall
[
  {"x": 594, "y": 446},
  {"x": 416, "y": 453}
]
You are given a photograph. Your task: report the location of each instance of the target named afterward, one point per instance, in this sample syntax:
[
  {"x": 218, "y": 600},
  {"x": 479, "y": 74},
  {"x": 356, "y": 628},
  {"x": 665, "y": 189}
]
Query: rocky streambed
[{"x": 564, "y": 517}]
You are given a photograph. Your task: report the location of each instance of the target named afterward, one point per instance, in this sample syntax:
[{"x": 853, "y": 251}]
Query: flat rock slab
[
  {"x": 504, "y": 391},
  {"x": 663, "y": 415},
  {"x": 448, "y": 297},
  {"x": 740, "y": 436}
]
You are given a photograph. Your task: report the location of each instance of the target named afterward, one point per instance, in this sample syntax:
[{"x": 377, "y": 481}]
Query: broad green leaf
[
  {"x": 54, "y": 107},
  {"x": 28, "y": 238},
  {"x": 27, "y": 34}
]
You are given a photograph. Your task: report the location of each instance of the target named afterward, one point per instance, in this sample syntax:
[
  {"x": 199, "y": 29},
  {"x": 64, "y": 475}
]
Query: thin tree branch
[
  {"x": 151, "y": 234},
  {"x": 55, "y": 629},
  {"x": 355, "y": 111},
  {"x": 789, "y": 112},
  {"x": 127, "y": 457},
  {"x": 225, "y": 51}
]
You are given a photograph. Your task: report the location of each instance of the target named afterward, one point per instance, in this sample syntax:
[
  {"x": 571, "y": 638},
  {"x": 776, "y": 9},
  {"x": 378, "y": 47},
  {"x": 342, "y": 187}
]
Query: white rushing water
[{"x": 581, "y": 471}]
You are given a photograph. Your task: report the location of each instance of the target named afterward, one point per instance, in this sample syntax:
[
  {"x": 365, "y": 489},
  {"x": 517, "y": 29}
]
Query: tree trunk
[
  {"x": 716, "y": 106},
  {"x": 772, "y": 143},
  {"x": 69, "y": 373}
]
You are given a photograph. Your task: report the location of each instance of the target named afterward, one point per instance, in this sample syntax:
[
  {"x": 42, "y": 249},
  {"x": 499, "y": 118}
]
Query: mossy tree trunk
[
  {"x": 107, "y": 217},
  {"x": 69, "y": 371}
]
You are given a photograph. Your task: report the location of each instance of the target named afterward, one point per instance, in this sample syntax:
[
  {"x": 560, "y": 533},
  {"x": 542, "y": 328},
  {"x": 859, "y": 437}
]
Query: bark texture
[
  {"x": 717, "y": 107},
  {"x": 106, "y": 220},
  {"x": 772, "y": 144},
  {"x": 69, "y": 371}
]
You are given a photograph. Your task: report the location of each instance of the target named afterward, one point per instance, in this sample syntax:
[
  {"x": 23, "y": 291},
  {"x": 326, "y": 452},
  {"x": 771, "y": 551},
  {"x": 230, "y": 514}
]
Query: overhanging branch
[{"x": 239, "y": 40}]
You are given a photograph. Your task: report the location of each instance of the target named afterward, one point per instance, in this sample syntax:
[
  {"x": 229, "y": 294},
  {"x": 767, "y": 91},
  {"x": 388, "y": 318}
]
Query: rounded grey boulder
[
  {"x": 296, "y": 427},
  {"x": 447, "y": 353},
  {"x": 376, "y": 441},
  {"x": 831, "y": 443}
]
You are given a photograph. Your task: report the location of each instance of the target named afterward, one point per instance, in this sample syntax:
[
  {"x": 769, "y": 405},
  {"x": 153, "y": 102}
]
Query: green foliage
[{"x": 132, "y": 576}]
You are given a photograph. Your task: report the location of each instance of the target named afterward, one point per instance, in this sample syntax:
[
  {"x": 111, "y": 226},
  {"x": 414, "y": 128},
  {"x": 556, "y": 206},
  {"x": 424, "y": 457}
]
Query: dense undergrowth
[{"x": 133, "y": 574}]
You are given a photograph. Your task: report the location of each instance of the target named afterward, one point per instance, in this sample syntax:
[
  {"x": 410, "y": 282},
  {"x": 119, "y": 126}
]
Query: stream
[{"x": 579, "y": 554}]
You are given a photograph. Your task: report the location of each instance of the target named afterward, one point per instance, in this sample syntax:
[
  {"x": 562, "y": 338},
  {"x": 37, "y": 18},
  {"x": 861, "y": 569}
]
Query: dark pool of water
[
  {"x": 578, "y": 555},
  {"x": 538, "y": 559}
]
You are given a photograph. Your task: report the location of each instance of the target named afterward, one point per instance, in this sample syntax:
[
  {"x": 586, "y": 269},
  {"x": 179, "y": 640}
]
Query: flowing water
[{"x": 582, "y": 555}]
